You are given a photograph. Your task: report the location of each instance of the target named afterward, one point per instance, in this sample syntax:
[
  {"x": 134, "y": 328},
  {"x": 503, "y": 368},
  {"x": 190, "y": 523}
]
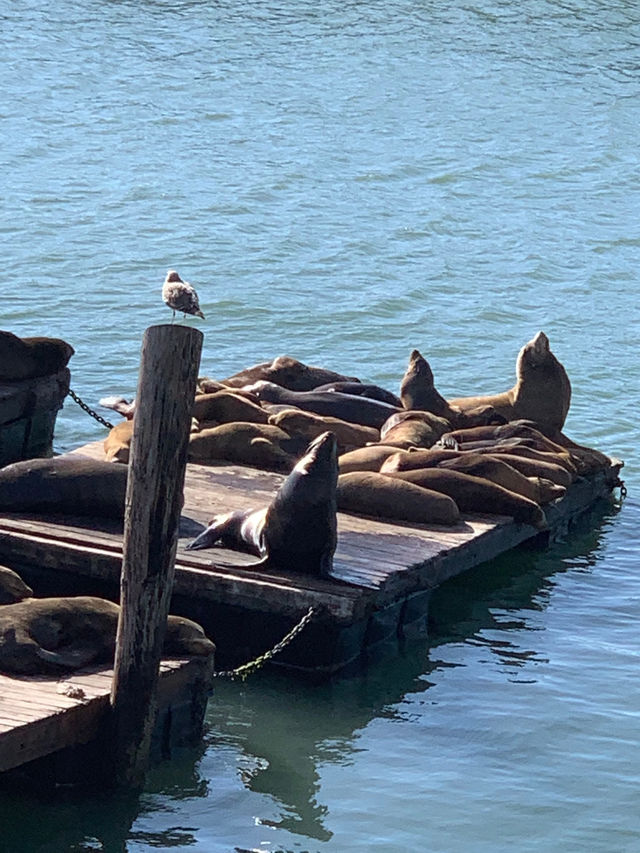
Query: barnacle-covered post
[{"x": 164, "y": 402}]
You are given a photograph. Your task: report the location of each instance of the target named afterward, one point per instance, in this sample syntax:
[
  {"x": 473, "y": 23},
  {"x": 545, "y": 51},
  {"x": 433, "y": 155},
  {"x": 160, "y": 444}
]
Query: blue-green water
[{"x": 344, "y": 182}]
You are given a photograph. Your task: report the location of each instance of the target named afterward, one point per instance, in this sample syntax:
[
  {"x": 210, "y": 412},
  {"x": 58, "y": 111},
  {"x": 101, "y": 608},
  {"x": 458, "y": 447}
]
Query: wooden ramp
[
  {"x": 41, "y": 715},
  {"x": 377, "y": 565}
]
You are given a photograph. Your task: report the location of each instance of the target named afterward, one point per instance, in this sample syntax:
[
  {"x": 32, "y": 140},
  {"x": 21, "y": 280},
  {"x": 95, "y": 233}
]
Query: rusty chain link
[{"x": 248, "y": 669}]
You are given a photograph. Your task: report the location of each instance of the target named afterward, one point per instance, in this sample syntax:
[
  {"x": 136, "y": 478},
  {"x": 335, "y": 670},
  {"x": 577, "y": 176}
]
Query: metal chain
[
  {"x": 89, "y": 410},
  {"x": 253, "y": 666}
]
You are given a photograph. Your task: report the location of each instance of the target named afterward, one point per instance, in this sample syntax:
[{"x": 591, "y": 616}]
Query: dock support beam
[{"x": 164, "y": 404}]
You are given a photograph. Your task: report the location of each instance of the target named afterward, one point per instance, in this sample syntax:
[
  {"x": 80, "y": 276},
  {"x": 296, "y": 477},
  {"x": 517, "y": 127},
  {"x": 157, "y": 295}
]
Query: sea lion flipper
[{"x": 69, "y": 657}]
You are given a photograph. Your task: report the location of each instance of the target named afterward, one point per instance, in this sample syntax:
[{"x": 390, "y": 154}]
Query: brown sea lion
[
  {"x": 372, "y": 494},
  {"x": 298, "y": 530},
  {"x": 12, "y": 587},
  {"x": 542, "y": 392},
  {"x": 260, "y": 445},
  {"x": 413, "y": 429},
  {"x": 27, "y": 358},
  {"x": 467, "y": 438},
  {"x": 365, "y": 458},
  {"x": 411, "y": 460},
  {"x": 523, "y": 451},
  {"x": 498, "y": 471},
  {"x": 363, "y": 389},
  {"x": 51, "y": 635},
  {"x": 475, "y": 494},
  {"x": 117, "y": 444},
  {"x": 531, "y": 467},
  {"x": 227, "y": 406},
  {"x": 417, "y": 391},
  {"x": 69, "y": 484},
  {"x": 347, "y": 407},
  {"x": 287, "y": 372},
  {"x": 308, "y": 426}
]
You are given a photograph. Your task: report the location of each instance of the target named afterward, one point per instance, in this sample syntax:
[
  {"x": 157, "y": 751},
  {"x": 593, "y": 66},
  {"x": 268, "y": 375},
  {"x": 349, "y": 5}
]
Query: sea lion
[
  {"x": 475, "y": 494},
  {"x": 117, "y": 444},
  {"x": 51, "y": 635},
  {"x": 260, "y": 445},
  {"x": 363, "y": 389},
  {"x": 287, "y": 372},
  {"x": 365, "y": 458},
  {"x": 380, "y": 496},
  {"x": 413, "y": 429},
  {"x": 530, "y": 467},
  {"x": 521, "y": 428},
  {"x": 417, "y": 391},
  {"x": 297, "y": 532},
  {"x": 523, "y": 451},
  {"x": 69, "y": 484},
  {"x": 12, "y": 587},
  {"x": 227, "y": 406},
  {"x": 28, "y": 358},
  {"x": 498, "y": 471},
  {"x": 480, "y": 465},
  {"x": 542, "y": 392},
  {"x": 347, "y": 407},
  {"x": 308, "y": 426}
]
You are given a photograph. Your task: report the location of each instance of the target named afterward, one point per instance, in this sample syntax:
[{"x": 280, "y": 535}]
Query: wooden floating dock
[
  {"x": 383, "y": 571},
  {"x": 43, "y": 718}
]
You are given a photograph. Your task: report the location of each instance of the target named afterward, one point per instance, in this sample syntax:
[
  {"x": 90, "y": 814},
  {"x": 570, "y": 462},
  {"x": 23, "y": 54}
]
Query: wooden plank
[{"x": 37, "y": 719}]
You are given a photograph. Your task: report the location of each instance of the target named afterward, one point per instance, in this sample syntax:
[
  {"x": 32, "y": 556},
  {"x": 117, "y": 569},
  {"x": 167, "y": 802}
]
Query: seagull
[{"x": 179, "y": 295}]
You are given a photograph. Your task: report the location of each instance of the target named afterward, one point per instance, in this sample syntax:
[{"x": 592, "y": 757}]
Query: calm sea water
[{"x": 344, "y": 182}]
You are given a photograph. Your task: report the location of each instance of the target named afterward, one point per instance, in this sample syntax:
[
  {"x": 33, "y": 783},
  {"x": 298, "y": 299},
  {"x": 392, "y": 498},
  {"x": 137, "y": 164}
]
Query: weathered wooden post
[{"x": 164, "y": 402}]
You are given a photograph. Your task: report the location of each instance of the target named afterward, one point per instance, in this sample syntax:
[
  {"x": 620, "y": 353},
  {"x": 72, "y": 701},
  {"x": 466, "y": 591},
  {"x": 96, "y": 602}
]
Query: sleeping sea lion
[
  {"x": 347, "y": 407},
  {"x": 475, "y": 494},
  {"x": 260, "y": 445},
  {"x": 365, "y": 458},
  {"x": 308, "y": 426},
  {"x": 117, "y": 444},
  {"x": 27, "y": 358},
  {"x": 227, "y": 406},
  {"x": 542, "y": 392},
  {"x": 287, "y": 372},
  {"x": 363, "y": 389},
  {"x": 69, "y": 484},
  {"x": 413, "y": 429},
  {"x": 297, "y": 532},
  {"x": 51, "y": 635},
  {"x": 498, "y": 471},
  {"x": 372, "y": 494},
  {"x": 12, "y": 587}
]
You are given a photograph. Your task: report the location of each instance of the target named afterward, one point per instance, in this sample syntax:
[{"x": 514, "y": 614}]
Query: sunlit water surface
[{"x": 344, "y": 182}]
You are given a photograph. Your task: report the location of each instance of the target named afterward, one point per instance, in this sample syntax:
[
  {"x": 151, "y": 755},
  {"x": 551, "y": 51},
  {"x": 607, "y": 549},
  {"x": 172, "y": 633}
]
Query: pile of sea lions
[
  {"x": 53, "y": 636},
  {"x": 349, "y": 446}
]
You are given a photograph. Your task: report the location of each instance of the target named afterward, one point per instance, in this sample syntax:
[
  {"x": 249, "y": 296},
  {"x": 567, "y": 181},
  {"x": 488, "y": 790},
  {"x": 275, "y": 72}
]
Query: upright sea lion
[
  {"x": 287, "y": 372},
  {"x": 347, "y": 407},
  {"x": 542, "y": 392},
  {"x": 308, "y": 426},
  {"x": 363, "y": 389},
  {"x": 51, "y": 635},
  {"x": 12, "y": 587},
  {"x": 69, "y": 484},
  {"x": 260, "y": 445},
  {"x": 298, "y": 530},
  {"x": 418, "y": 391},
  {"x": 28, "y": 358},
  {"x": 475, "y": 494},
  {"x": 373, "y": 494}
]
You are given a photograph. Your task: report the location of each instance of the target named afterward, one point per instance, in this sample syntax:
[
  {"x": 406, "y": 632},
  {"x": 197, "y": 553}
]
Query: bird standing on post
[{"x": 179, "y": 295}]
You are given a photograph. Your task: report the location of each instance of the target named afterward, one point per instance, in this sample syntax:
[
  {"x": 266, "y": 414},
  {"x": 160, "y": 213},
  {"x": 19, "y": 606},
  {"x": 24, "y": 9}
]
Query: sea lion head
[{"x": 185, "y": 637}]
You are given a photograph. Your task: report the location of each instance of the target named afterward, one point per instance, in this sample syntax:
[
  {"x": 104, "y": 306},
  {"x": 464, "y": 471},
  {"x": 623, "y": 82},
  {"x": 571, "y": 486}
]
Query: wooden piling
[{"x": 164, "y": 402}]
